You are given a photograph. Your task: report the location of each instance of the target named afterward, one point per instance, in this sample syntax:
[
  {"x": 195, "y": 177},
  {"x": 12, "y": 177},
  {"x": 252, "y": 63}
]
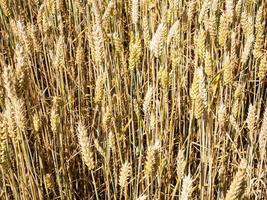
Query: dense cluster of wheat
[{"x": 133, "y": 99}]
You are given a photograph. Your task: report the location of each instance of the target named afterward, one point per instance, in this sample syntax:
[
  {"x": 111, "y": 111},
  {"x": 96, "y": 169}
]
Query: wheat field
[{"x": 133, "y": 99}]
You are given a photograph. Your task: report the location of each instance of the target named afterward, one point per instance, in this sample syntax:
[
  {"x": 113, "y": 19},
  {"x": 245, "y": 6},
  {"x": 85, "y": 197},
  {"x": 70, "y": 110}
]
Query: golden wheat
[{"x": 133, "y": 99}]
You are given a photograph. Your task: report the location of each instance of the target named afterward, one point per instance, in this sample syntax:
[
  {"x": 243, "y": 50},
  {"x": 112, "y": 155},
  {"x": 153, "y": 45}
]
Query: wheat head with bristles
[
  {"x": 236, "y": 186},
  {"x": 124, "y": 174},
  {"x": 121, "y": 99},
  {"x": 156, "y": 44},
  {"x": 187, "y": 188},
  {"x": 86, "y": 150}
]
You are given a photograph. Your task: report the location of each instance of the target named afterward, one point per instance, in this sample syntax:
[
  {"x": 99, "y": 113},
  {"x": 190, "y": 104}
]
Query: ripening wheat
[{"x": 133, "y": 99}]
